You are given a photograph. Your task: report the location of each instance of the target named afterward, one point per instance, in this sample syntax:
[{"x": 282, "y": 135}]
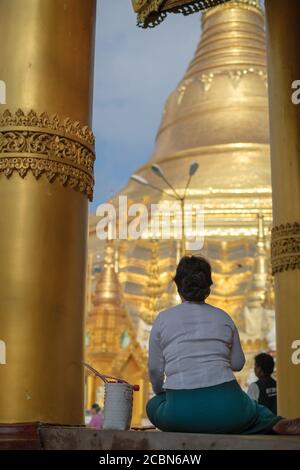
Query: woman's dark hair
[
  {"x": 265, "y": 362},
  {"x": 193, "y": 278},
  {"x": 96, "y": 407}
]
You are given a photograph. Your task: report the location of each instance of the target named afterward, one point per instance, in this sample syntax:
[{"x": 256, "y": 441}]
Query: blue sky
[{"x": 135, "y": 70}]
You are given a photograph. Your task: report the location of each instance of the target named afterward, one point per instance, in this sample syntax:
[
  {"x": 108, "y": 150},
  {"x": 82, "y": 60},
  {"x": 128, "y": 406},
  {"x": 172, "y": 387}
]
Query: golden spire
[
  {"x": 222, "y": 98},
  {"x": 269, "y": 302},
  {"x": 261, "y": 258},
  {"x": 218, "y": 117},
  {"x": 108, "y": 287},
  {"x": 237, "y": 45},
  {"x": 108, "y": 311},
  {"x": 153, "y": 287},
  {"x": 260, "y": 270}
]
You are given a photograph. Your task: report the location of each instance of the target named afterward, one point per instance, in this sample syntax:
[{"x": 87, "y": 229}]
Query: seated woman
[{"x": 196, "y": 348}]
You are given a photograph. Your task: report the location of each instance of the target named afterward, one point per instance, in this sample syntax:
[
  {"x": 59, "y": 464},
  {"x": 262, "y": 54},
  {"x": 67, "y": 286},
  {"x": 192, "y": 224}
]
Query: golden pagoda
[
  {"x": 218, "y": 117},
  {"x": 111, "y": 345}
]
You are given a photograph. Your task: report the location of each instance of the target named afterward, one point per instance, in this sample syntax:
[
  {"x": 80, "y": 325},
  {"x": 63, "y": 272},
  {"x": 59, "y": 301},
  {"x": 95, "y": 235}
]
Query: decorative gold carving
[
  {"x": 285, "y": 247},
  {"x": 36, "y": 143},
  {"x": 206, "y": 80},
  {"x": 148, "y": 5},
  {"x": 182, "y": 89},
  {"x": 148, "y": 11}
]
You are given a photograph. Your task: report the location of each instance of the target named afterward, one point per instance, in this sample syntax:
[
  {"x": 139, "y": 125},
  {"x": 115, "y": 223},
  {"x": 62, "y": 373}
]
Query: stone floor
[
  {"x": 88, "y": 439},
  {"x": 41, "y": 436}
]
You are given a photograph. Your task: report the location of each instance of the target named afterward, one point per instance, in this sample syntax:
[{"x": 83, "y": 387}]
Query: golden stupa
[
  {"x": 218, "y": 117},
  {"x": 111, "y": 344}
]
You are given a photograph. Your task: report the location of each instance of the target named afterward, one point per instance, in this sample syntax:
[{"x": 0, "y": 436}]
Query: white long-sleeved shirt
[
  {"x": 253, "y": 391},
  {"x": 193, "y": 345}
]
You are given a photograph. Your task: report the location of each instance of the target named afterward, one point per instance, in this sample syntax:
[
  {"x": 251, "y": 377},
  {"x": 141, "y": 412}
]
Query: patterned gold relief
[
  {"x": 36, "y": 143},
  {"x": 146, "y": 5},
  {"x": 148, "y": 11},
  {"x": 285, "y": 247},
  {"x": 206, "y": 80}
]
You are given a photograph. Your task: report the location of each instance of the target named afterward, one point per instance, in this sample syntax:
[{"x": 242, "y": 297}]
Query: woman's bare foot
[{"x": 287, "y": 426}]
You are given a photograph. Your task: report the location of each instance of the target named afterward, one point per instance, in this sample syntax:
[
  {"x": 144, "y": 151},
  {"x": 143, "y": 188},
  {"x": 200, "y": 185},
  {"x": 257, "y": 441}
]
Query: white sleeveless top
[{"x": 193, "y": 345}]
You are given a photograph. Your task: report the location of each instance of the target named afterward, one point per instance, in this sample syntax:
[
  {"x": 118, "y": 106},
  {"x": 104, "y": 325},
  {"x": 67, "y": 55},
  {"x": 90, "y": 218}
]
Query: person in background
[
  {"x": 264, "y": 390},
  {"x": 96, "y": 421}
]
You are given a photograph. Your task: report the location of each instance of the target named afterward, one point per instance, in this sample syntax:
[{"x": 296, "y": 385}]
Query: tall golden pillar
[
  {"x": 283, "y": 20},
  {"x": 46, "y": 179}
]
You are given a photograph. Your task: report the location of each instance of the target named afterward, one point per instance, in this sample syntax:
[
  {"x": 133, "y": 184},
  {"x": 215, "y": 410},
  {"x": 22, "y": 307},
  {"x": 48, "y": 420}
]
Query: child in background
[{"x": 264, "y": 390}]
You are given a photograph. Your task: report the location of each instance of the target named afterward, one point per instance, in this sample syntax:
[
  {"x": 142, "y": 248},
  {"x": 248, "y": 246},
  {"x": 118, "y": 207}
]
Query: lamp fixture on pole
[{"x": 157, "y": 170}]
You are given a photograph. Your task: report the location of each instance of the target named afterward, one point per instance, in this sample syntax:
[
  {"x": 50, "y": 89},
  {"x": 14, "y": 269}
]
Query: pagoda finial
[
  {"x": 261, "y": 248},
  {"x": 153, "y": 286},
  {"x": 260, "y": 261},
  {"x": 109, "y": 255},
  {"x": 108, "y": 288},
  {"x": 260, "y": 270}
]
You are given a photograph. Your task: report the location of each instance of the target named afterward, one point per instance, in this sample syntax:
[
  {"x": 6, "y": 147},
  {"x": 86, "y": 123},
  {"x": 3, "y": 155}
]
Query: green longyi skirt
[{"x": 221, "y": 409}]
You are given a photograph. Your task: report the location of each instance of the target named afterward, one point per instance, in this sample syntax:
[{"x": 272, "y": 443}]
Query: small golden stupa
[
  {"x": 218, "y": 117},
  {"x": 111, "y": 345}
]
